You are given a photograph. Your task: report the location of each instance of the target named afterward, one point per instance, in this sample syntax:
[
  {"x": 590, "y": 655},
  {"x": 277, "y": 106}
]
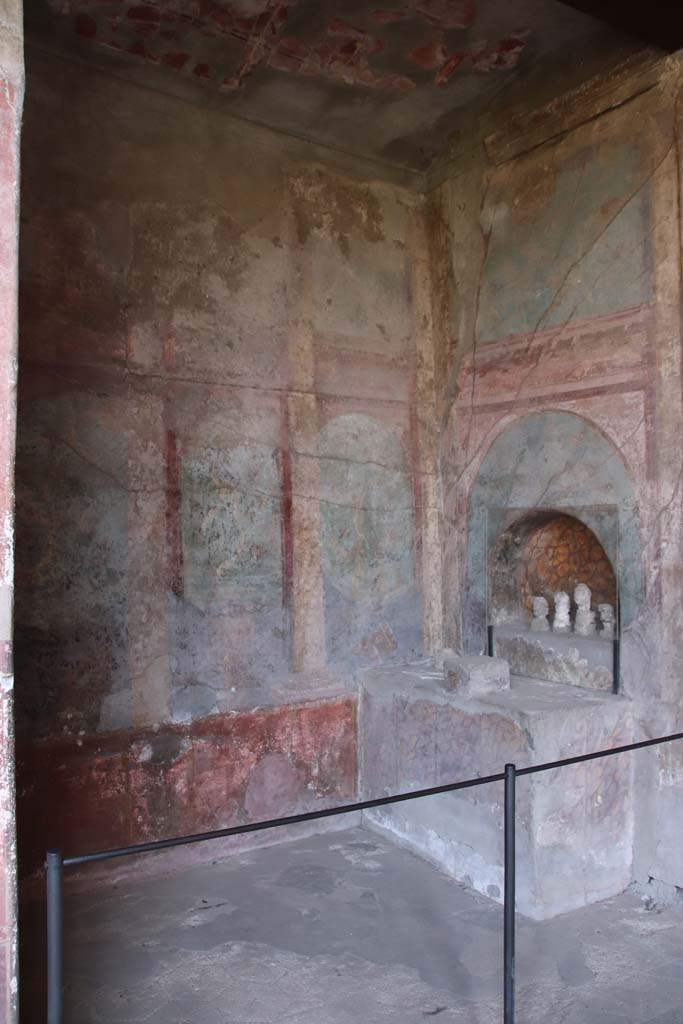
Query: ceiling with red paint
[{"x": 391, "y": 81}]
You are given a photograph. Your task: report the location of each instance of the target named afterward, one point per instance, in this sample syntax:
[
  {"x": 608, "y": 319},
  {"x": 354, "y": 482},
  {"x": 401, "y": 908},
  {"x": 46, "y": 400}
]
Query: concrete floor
[{"x": 346, "y": 927}]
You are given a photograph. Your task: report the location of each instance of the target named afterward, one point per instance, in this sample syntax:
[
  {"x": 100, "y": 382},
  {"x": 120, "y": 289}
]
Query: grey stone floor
[{"x": 346, "y": 927}]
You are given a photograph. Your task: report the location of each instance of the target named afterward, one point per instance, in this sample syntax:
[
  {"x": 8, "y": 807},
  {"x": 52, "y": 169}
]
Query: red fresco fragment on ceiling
[
  {"x": 383, "y": 17},
  {"x": 432, "y": 55},
  {"x": 449, "y": 68},
  {"x": 158, "y": 33},
  {"x": 501, "y": 56},
  {"x": 138, "y": 49},
  {"x": 446, "y": 13},
  {"x": 344, "y": 58},
  {"x": 262, "y": 41},
  {"x": 177, "y": 61},
  {"x": 229, "y": 20},
  {"x": 339, "y": 27}
]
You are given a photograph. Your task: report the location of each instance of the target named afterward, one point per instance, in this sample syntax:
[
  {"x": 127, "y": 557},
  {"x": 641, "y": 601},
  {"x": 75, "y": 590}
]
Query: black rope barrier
[{"x": 56, "y": 862}]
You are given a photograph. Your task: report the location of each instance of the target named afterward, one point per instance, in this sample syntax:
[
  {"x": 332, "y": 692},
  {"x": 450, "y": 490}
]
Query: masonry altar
[{"x": 423, "y": 726}]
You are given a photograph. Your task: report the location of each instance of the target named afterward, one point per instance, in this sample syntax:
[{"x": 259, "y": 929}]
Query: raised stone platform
[
  {"x": 574, "y": 825},
  {"x": 586, "y": 661}
]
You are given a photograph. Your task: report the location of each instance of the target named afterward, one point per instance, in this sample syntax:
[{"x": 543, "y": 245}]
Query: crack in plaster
[
  {"x": 248, "y": 492},
  {"x": 543, "y": 351}
]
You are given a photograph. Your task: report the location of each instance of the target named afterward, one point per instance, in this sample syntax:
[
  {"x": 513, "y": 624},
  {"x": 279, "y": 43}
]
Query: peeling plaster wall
[
  {"x": 257, "y": 394},
  {"x": 11, "y": 99},
  {"x": 124, "y": 788},
  {"x": 224, "y": 472},
  {"x": 561, "y": 304}
]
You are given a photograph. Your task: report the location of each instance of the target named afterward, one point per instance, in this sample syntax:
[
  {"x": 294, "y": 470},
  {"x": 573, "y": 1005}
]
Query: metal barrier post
[
  {"x": 55, "y": 937},
  {"x": 509, "y": 899},
  {"x": 56, "y": 862}
]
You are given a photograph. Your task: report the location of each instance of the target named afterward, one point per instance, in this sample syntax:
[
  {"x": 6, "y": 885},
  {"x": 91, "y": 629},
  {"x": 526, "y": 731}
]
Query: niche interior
[{"x": 543, "y": 553}]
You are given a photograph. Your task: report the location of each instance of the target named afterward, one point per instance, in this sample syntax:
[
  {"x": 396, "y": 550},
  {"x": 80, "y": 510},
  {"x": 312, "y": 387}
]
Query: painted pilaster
[
  {"x": 425, "y": 432},
  {"x": 667, "y": 558},
  {"x": 303, "y": 501}
]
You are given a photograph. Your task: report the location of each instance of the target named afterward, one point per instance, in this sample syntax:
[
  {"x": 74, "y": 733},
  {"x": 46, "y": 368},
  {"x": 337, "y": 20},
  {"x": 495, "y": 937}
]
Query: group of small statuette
[{"x": 584, "y": 619}]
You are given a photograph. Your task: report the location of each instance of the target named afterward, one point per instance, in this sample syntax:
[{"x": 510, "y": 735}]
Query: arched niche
[
  {"x": 545, "y": 551},
  {"x": 559, "y": 463}
]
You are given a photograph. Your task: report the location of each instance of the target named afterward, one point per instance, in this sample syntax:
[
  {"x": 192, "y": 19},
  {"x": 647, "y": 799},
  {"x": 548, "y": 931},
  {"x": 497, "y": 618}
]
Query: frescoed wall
[
  {"x": 219, "y": 460},
  {"x": 561, "y": 390},
  {"x": 371, "y": 593},
  {"x": 269, "y": 413},
  {"x": 567, "y": 239}
]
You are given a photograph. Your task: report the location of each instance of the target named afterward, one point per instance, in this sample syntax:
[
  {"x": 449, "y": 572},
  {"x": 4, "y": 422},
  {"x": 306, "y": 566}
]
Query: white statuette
[
  {"x": 606, "y": 613},
  {"x": 539, "y": 623},
  {"x": 561, "y": 620},
  {"x": 584, "y": 623}
]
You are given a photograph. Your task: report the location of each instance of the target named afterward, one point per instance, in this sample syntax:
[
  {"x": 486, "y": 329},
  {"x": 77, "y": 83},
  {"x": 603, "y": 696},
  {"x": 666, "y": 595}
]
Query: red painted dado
[{"x": 228, "y": 769}]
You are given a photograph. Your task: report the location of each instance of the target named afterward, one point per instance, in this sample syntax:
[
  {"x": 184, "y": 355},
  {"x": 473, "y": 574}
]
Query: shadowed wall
[{"x": 219, "y": 460}]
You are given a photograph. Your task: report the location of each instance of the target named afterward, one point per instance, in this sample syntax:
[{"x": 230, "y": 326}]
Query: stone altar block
[{"x": 574, "y": 824}]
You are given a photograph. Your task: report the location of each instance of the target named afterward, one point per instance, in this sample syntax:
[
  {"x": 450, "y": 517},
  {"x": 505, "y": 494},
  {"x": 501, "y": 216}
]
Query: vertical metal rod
[
  {"x": 489, "y": 635},
  {"x": 55, "y": 937},
  {"x": 509, "y": 899},
  {"x": 616, "y": 650}
]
